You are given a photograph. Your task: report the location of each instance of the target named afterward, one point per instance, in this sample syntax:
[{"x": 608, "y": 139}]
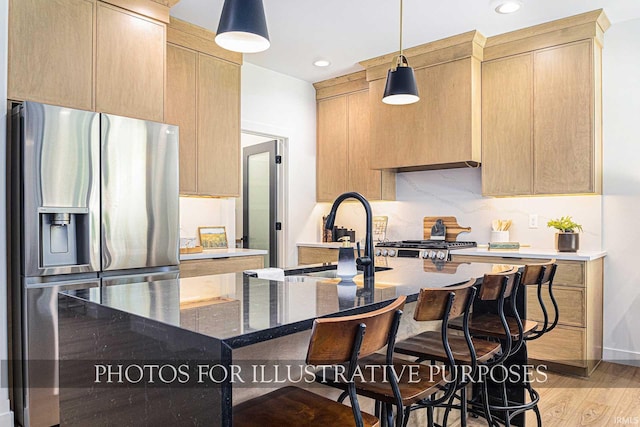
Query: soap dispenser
[{"x": 346, "y": 260}]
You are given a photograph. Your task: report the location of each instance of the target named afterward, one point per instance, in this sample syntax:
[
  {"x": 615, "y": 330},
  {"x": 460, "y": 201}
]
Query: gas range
[{"x": 426, "y": 249}]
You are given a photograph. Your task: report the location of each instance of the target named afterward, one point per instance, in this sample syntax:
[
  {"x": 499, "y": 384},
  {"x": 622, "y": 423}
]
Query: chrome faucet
[{"x": 365, "y": 261}]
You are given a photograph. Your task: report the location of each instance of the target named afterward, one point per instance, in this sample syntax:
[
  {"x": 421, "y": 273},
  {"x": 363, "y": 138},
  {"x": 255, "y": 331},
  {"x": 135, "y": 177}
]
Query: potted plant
[{"x": 567, "y": 237}]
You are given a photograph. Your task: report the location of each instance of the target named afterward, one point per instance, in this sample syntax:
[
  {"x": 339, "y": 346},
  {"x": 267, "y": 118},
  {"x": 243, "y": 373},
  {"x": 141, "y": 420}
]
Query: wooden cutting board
[{"x": 451, "y": 222}]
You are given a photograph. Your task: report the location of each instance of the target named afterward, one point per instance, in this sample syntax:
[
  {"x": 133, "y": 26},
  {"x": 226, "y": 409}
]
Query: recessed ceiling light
[
  {"x": 506, "y": 6},
  {"x": 322, "y": 63}
]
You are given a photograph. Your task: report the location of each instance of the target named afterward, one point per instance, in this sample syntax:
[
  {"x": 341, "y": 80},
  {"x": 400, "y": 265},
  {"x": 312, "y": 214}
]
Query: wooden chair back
[
  {"x": 491, "y": 287},
  {"x": 432, "y": 303},
  {"x": 332, "y": 339},
  {"x": 538, "y": 274}
]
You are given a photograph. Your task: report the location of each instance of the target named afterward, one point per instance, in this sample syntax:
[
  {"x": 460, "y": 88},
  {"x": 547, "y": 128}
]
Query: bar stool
[
  {"x": 513, "y": 332},
  {"x": 338, "y": 340},
  {"x": 467, "y": 351},
  {"x": 416, "y": 384}
]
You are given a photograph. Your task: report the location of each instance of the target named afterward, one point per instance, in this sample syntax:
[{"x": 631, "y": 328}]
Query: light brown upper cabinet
[
  {"x": 442, "y": 130},
  {"x": 181, "y": 110},
  {"x": 130, "y": 64},
  {"x": 54, "y": 64},
  {"x": 106, "y": 56},
  {"x": 542, "y": 109},
  {"x": 507, "y": 115},
  {"x": 343, "y": 142},
  {"x": 218, "y": 127},
  {"x": 203, "y": 98}
]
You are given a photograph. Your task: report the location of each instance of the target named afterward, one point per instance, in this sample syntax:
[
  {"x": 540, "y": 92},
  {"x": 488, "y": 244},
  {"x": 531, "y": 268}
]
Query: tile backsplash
[{"x": 457, "y": 192}]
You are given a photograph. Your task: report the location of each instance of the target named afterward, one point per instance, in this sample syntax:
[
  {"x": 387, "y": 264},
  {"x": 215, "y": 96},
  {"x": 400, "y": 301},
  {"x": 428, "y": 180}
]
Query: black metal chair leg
[
  {"x": 485, "y": 403},
  {"x": 430, "y": 416},
  {"x": 505, "y": 402},
  {"x": 405, "y": 421},
  {"x": 389, "y": 414},
  {"x": 463, "y": 407},
  {"x": 450, "y": 404}
]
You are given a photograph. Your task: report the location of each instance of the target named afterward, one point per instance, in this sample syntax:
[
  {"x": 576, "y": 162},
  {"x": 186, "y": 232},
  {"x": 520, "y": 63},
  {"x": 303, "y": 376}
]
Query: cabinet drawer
[
  {"x": 205, "y": 267},
  {"x": 570, "y": 273},
  {"x": 497, "y": 259},
  {"x": 570, "y": 301},
  {"x": 564, "y": 345}
]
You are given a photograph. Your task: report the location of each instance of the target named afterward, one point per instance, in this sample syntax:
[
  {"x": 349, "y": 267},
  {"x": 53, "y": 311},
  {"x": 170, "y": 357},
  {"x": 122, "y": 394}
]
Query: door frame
[
  {"x": 270, "y": 147},
  {"x": 279, "y": 134}
]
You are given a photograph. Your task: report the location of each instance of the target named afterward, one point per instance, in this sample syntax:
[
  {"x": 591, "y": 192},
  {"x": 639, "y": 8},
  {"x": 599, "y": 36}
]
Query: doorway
[{"x": 259, "y": 209}]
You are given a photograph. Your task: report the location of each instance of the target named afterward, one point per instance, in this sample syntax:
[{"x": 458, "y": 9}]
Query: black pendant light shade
[
  {"x": 401, "y": 88},
  {"x": 243, "y": 27},
  {"x": 401, "y": 85}
]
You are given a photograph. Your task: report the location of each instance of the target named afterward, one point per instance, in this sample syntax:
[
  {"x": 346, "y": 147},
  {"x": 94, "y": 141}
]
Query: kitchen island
[{"x": 184, "y": 353}]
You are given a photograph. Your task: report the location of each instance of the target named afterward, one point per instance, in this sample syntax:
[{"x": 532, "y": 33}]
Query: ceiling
[{"x": 348, "y": 31}]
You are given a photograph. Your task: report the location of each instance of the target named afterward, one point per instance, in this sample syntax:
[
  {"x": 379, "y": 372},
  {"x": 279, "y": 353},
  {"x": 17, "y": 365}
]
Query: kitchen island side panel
[{"x": 94, "y": 338}]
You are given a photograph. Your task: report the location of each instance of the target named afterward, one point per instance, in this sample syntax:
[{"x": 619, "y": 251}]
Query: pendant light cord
[{"x": 401, "y": 1}]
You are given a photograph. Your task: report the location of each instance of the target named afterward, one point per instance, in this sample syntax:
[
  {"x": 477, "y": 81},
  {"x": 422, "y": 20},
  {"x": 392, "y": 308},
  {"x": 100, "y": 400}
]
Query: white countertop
[
  {"x": 222, "y": 253},
  {"x": 484, "y": 251},
  {"x": 334, "y": 245},
  {"x": 532, "y": 253}
]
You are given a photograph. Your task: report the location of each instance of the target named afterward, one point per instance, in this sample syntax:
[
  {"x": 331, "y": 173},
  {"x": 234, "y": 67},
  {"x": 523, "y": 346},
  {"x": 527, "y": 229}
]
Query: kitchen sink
[{"x": 329, "y": 271}]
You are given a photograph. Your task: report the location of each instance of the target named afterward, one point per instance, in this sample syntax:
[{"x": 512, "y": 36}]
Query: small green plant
[{"x": 564, "y": 224}]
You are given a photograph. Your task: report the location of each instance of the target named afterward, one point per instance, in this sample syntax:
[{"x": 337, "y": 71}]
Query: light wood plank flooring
[{"x": 611, "y": 397}]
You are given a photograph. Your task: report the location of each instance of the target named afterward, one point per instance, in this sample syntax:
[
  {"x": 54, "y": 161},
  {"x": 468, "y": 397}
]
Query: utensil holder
[{"x": 500, "y": 236}]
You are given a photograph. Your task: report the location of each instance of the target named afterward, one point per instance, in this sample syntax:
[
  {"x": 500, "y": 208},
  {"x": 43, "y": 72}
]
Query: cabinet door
[
  {"x": 130, "y": 63},
  {"x": 563, "y": 117},
  {"x": 218, "y": 131},
  {"x": 332, "y": 153},
  {"x": 507, "y": 142},
  {"x": 51, "y": 52},
  {"x": 372, "y": 184},
  {"x": 437, "y": 130},
  {"x": 181, "y": 110}
]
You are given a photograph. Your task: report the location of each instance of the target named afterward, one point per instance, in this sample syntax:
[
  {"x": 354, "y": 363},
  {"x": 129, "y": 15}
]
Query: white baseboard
[
  {"x": 6, "y": 419},
  {"x": 624, "y": 357}
]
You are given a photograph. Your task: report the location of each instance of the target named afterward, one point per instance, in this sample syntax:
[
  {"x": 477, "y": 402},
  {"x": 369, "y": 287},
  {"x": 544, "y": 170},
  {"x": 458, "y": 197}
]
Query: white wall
[
  {"x": 280, "y": 105},
  {"x": 205, "y": 211},
  {"x": 621, "y": 200},
  {"x": 458, "y": 192},
  {"x": 6, "y": 417}
]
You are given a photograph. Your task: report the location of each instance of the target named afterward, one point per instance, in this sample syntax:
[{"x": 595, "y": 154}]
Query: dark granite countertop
[{"x": 242, "y": 310}]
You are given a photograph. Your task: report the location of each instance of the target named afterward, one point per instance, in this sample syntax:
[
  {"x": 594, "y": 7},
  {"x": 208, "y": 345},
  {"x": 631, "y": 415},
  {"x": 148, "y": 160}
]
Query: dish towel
[{"x": 270, "y": 273}]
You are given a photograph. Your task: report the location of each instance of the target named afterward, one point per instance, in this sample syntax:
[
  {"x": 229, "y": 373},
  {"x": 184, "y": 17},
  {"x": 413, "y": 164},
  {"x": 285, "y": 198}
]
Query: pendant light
[
  {"x": 401, "y": 88},
  {"x": 243, "y": 27}
]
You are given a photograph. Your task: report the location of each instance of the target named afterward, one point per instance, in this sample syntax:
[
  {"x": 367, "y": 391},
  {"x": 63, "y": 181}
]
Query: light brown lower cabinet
[
  {"x": 314, "y": 255},
  {"x": 206, "y": 267},
  {"x": 575, "y": 345}
]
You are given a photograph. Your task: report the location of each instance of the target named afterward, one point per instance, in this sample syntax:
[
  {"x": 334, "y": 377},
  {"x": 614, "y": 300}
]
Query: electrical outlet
[{"x": 533, "y": 220}]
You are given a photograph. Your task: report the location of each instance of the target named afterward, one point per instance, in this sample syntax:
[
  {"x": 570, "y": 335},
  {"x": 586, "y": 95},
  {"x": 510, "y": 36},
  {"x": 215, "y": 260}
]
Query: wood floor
[{"x": 611, "y": 397}]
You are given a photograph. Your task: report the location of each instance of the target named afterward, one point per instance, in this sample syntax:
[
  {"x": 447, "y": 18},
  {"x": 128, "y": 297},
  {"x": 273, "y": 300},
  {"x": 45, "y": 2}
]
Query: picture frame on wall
[{"x": 213, "y": 237}]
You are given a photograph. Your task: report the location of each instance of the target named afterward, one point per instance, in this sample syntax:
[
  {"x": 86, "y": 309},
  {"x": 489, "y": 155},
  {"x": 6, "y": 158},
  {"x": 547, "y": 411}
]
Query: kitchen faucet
[{"x": 365, "y": 261}]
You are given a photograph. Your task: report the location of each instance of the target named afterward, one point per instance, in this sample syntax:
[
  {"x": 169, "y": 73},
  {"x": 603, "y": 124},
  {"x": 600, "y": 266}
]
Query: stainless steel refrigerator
[{"x": 94, "y": 202}]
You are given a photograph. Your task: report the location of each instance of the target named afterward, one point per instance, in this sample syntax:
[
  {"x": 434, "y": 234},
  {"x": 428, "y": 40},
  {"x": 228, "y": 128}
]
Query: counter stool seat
[
  {"x": 428, "y": 346},
  {"x": 489, "y": 325},
  {"x": 290, "y": 406},
  {"x": 416, "y": 381}
]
